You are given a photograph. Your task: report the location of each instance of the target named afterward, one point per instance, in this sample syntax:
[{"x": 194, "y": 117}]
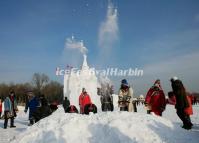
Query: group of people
[
  {"x": 155, "y": 102},
  {"x": 37, "y": 105},
  {"x": 85, "y": 104},
  {"x": 105, "y": 92}
]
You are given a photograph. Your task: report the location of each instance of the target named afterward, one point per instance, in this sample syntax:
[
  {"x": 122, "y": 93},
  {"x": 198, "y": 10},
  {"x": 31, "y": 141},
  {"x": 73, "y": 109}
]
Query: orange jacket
[{"x": 189, "y": 109}]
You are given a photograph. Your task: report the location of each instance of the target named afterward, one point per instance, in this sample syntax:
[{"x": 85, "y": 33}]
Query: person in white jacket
[{"x": 125, "y": 96}]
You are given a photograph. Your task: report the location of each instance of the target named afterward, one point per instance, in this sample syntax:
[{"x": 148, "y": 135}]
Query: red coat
[
  {"x": 84, "y": 99},
  {"x": 189, "y": 109},
  {"x": 156, "y": 101},
  {"x": 0, "y": 107}
]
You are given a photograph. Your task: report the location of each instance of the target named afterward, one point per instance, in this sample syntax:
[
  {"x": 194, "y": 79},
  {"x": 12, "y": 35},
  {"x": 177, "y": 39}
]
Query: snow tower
[{"x": 77, "y": 79}]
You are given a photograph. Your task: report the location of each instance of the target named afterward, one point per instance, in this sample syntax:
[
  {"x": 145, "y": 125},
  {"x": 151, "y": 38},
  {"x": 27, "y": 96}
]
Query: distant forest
[{"x": 40, "y": 84}]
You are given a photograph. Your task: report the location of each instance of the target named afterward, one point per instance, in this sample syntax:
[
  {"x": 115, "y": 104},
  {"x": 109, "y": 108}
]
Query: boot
[
  {"x": 5, "y": 123},
  {"x": 13, "y": 126},
  {"x": 31, "y": 122},
  {"x": 5, "y": 127},
  {"x": 12, "y": 123}
]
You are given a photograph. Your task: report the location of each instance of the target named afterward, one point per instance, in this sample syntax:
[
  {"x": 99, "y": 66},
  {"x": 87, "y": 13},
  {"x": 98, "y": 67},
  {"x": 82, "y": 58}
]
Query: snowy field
[{"x": 110, "y": 127}]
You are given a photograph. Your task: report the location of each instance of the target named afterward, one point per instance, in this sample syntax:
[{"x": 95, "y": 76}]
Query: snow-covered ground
[
  {"x": 21, "y": 122},
  {"x": 112, "y": 127}
]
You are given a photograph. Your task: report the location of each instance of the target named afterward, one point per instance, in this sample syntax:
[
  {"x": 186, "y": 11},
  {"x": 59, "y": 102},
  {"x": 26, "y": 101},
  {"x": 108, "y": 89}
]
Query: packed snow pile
[{"x": 108, "y": 127}]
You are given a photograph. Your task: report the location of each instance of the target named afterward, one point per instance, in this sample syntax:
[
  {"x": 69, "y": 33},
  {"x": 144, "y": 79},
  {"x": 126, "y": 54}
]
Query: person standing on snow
[
  {"x": 84, "y": 99},
  {"x": 32, "y": 103},
  {"x": 66, "y": 104},
  {"x": 106, "y": 97},
  {"x": 125, "y": 96},
  {"x": 0, "y": 107},
  {"x": 183, "y": 104},
  {"x": 10, "y": 109},
  {"x": 42, "y": 111},
  {"x": 155, "y": 100}
]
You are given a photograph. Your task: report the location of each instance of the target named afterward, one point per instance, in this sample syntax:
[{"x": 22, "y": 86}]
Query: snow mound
[{"x": 109, "y": 127}]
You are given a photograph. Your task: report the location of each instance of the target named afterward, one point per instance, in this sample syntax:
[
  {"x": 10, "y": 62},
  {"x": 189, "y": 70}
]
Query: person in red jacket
[
  {"x": 0, "y": 106},
  {"x": 155, "y": 99},
  {"x": 84, "y": 99}
]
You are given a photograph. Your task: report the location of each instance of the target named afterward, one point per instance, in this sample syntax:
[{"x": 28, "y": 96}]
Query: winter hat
[
  {"x": 83, "y": 89},
  {"x": 157, "y": 83},
  {"x": 124, "y": 82},
  {"x": 174, "y": 79},
  {"x": 30, "y": 93},
  {"x": 12, "y": 93}
]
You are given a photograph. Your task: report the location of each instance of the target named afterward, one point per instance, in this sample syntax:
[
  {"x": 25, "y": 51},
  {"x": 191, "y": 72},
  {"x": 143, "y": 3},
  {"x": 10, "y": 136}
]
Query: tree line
[{"x": 40, "y": 84}]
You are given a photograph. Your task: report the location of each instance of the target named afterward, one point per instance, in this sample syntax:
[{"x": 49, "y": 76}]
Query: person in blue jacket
[{"x": 31, "y": 104}]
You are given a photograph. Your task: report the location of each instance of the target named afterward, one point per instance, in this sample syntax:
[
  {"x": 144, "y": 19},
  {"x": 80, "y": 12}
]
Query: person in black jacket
[
  {"x": 106, "y": 98},
  {"x": 42, "y": 111},
  {"x": 66, "y": 104},
  {"x": 181, "y": 102}
]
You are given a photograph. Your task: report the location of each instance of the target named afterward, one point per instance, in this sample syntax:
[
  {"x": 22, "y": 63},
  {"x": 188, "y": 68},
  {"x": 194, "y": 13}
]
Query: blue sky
[{"x": 161, "y": 37}]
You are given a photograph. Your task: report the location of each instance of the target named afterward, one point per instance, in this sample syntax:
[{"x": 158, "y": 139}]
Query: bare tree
[
  {"x": 53, "y": 91},
  {"x": 39, "y": 81},
  {"x": 40, "y": 84}
]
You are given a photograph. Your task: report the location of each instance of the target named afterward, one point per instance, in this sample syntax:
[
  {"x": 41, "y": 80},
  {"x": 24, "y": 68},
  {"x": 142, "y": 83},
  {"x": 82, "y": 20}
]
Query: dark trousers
[
  {"x": 107, "y": 107},
  {"x": 6, "y": 120},
  {"x": 31, "y": 121},
  {"x": 124, "y": 108},
  {"x": 134, "y": 107},
  {"x": 148, "y": 111},
  {"x": 185, "y": 119},
  {"x": 31, "y": 118}
]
